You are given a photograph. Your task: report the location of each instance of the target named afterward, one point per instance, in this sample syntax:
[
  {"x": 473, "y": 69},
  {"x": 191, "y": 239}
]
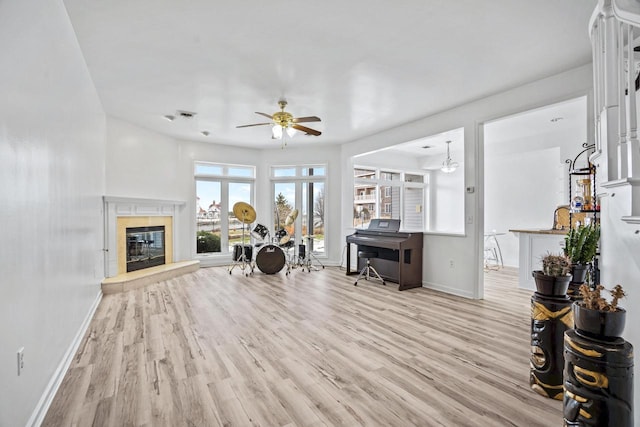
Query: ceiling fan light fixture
[
  {"x": 276, "y": 132},
  {"x": 291, "y": 132},
  {"x": 449, "y": 165},
  {"x": 282, "y": 121}
]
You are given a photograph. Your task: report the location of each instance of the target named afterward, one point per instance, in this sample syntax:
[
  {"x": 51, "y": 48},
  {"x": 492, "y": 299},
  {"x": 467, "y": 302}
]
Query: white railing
[
  {"x": 365, "y": 198},
  {"x": 615, "y": 32}
]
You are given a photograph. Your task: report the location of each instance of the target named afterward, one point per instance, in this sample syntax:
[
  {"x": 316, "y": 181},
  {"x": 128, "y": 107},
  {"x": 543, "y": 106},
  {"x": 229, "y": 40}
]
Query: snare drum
[
  {"x": 260, "y": 232},
  {"x": 270, "y": 259},
  {"x": 282, "y": 237}
]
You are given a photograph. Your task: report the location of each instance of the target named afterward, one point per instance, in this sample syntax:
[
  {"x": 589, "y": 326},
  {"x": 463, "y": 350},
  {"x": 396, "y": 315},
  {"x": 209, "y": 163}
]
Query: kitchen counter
[
  {"x": 533, "y": 245},
  {"x": 548, "y": 231}
]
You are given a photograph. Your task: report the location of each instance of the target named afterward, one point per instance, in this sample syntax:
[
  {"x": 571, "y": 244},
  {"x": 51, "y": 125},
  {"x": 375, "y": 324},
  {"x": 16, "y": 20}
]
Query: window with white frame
[
  {"x": 380, "y": 193},
  {"x": 219, "y": 187},
  {"x": 299, "y": 193}
]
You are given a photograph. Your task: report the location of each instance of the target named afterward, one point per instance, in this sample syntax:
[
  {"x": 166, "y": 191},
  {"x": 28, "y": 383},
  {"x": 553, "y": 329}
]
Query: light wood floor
[{"x": 210, "y": 349}]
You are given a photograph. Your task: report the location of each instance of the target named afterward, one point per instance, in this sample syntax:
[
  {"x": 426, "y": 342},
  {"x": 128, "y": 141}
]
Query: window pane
[
  {"x": 364, "y": 173},
  {"x": 285, "y": 202},
  {"x": 238, "y": 192},
  {"x": 206, "y": 169},
  {"x": 364, "y": 205},
  {"x": 243, "y": 171},
  {"x": 318, "y": 218},
  {"x": 389, "y": 202},
  {"x": 413, "y": 178},
  {"x": 413, "y": 208},
  {"x": 208, "y": 216},
  {"x": 279, "y": 172},
  {"x": 313, "y": 216},
  {"x": 313, "y": 171},
  {"x": 390, "y": 176}
]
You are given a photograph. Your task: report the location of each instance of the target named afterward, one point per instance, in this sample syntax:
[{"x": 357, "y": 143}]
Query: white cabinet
[{"x": 534, "y": 244}]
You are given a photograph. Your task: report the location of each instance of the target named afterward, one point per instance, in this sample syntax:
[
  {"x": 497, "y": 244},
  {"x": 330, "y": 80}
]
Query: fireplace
[
  {"x": 143, "y": 242},
  {"x": 145, "y": 247}
]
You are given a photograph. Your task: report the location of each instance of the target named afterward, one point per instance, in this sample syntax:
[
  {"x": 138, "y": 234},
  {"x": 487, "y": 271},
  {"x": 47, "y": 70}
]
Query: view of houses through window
[
  {"x": 218, "y": 188},
  {"x": 387, "y": 194}
]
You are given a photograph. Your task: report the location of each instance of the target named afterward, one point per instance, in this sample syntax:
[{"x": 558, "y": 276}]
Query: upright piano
[{"x": 399, "y": 257}]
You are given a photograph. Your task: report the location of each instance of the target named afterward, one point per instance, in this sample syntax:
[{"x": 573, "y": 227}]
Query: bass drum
[{"x": 270, "y": 259}]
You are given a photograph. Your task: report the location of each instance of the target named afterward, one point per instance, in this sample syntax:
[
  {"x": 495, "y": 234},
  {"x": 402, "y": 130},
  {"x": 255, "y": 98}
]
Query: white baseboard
[
  {"x": 56, "y": 379},
  {"x": 448, "y": 290}
]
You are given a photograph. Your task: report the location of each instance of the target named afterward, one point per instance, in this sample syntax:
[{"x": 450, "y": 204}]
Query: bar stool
[
  {"x": 368, "y": 269},
  {"x": 492, "y": 252}
]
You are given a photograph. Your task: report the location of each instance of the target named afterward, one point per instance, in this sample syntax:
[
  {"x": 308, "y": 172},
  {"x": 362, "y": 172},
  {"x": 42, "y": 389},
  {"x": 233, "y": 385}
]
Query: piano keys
[{"x": 399, "y": 257}]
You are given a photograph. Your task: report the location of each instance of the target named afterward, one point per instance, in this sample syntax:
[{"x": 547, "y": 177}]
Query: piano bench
[
  {"x": 368, "y": 269},
  {"x": 367, "y": 254}
]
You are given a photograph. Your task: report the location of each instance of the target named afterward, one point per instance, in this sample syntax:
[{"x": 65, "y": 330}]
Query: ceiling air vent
[{"x": 185, "y": 114}]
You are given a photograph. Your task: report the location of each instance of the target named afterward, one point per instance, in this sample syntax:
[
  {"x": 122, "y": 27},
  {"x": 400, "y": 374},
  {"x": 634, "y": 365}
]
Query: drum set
[{"x": 273, "y": 252}]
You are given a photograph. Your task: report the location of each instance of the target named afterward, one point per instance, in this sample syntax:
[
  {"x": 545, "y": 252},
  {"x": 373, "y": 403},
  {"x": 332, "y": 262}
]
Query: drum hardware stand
[
  {"x": 306, "y": 261},
  {"x": 289, "y": 220},
  {"x": 248, "y": 216},
  {"x": 289, "y": 259}
]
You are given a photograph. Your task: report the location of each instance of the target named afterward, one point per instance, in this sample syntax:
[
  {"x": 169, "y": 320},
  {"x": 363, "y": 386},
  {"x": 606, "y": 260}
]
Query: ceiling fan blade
[
  {"x": 255, "y": 124},
  {"x": 306, "y": 119},
  {"x": 269, "y": 116},
  {"x": 306, "y": 130}
]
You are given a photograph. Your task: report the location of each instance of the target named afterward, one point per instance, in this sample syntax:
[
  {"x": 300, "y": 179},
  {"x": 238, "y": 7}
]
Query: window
[
  {"x": 218, "y": 188},
  {"x": 388, "y": 194},
  {"x": 300, "y": 189}
]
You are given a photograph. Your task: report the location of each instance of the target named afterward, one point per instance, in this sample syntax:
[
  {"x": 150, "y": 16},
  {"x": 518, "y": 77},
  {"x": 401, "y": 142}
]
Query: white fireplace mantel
[{"x": 115, "y": 207}]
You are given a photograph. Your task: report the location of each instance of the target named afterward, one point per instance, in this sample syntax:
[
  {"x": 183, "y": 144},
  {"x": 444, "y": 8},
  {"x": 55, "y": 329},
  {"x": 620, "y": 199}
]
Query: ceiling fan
[{"x": 284, "y": 121}]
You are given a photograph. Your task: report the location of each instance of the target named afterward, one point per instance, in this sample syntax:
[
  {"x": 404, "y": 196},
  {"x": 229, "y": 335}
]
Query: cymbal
[
  {"x": 244, "y": 212},
  {"x": 291, "y": 218}
]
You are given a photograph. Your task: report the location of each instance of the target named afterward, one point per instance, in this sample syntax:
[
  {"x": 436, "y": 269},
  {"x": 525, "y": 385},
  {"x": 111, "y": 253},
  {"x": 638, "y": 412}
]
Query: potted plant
[
  {"x": 581, "y": 245},
  {"x": 555, "y": 275},
  {"x": 598, "y": 318}
]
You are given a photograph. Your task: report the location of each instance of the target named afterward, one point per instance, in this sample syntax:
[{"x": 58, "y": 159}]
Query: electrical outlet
[
  {"x": 450, "y": 263},
  {"x": 20, "y": 355}
]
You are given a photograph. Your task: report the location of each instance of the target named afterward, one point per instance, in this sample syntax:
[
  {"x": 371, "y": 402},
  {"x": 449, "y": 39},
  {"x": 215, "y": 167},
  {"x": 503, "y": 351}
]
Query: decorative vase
[
  {"x": 579, "y": 273},
  {"x": 600, "y": 325},
  {"x": 551, "y": 285}
]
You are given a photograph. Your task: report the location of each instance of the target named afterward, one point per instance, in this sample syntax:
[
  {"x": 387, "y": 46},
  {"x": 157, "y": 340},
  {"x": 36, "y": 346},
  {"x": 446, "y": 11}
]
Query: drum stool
[{"x": 368, "y": 269}]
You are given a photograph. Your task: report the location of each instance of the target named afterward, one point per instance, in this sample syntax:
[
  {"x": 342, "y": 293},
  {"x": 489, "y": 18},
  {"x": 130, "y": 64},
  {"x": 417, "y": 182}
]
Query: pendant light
[
  {"x": 276, "y": 132},
  {"x": 448, "y": 165}
]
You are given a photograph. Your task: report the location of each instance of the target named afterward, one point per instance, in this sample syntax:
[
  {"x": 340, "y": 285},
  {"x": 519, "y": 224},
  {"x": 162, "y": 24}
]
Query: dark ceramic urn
[
  {"x": 551, "y": 285},
  {"x": 602, "y": 325}
]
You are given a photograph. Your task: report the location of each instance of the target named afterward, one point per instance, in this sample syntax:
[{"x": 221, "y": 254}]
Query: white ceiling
[
  {"x": 362, "y": 66},
  {"x": 569, "y": 116}
]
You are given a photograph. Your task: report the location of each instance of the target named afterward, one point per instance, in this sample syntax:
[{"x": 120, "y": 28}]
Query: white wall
[
  {"x": 391, "y": 159},
  {"x": 51, "y": 181},
  {"x": 465, "y": 278},
  {"x": 142, "y": 163},
  {"x": 522, "y": 190},
  {"x": 447, "y": 201}
]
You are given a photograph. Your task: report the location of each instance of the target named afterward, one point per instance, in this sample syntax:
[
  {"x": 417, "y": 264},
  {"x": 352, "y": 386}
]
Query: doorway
[{"x": 525, "y": 179}]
